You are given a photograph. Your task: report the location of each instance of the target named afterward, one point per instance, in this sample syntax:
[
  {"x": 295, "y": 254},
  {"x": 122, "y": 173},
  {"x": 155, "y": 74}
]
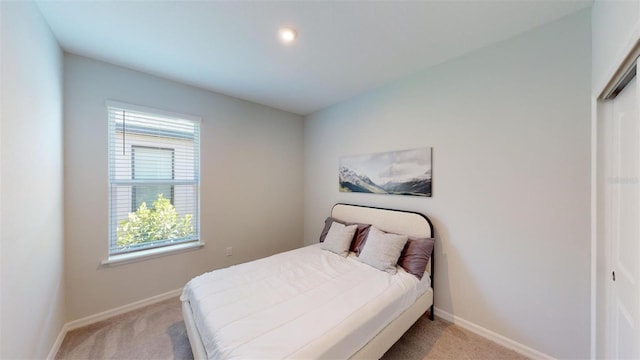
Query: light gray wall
[
  {"x": 510, "y": 131},
  {"x": 31, "y": 285},
  {"x": 251, "y": 187},
  {"x": 615, "y": 30}
]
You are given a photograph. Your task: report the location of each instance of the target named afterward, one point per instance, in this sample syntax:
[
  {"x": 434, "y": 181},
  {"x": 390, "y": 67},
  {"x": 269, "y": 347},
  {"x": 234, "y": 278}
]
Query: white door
[{"x": 623, "y": 200}]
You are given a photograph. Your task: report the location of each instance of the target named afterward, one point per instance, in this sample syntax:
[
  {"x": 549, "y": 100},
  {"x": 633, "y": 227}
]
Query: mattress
[{"x": 305, "y": 303}]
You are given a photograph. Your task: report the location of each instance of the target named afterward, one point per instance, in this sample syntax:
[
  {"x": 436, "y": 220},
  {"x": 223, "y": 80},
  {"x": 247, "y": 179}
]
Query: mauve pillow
[
  {"x": 415, "y": 255},
  {"x": 360, "y": 238}
]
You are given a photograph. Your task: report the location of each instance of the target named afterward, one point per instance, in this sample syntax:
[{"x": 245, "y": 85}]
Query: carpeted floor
[{"x": 157, "y": 332}]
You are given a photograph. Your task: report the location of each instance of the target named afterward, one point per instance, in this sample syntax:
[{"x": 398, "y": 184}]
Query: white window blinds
[{"x": 154, "y": 178}]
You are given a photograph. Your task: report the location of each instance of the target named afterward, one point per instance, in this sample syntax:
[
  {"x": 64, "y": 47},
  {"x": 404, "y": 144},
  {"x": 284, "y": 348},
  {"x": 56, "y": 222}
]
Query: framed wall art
[{"x": 405, "y": 172}]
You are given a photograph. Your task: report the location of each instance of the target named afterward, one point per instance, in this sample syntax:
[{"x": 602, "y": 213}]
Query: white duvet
[{"x": 306, "y": 303}]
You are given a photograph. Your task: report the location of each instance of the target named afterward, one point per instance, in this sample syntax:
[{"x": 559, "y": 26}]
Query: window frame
[{"x": 168, "y": 246}]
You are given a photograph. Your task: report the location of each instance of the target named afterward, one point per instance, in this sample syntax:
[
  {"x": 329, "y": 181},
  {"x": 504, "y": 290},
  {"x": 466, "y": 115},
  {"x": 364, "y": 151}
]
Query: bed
[{"x": 310, "y": 302}]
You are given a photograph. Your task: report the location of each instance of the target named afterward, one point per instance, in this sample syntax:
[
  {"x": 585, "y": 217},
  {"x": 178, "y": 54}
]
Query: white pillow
[
  {"x": 382, "y": 250},
  {"x": 339, "y": 238}
]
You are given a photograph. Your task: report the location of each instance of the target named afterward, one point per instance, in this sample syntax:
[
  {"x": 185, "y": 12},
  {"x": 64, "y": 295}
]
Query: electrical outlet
[{"x": 229, "y": 251}]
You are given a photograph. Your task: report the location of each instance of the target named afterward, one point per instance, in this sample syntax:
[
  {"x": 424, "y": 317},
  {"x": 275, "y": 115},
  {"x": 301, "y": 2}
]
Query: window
[
  {"x": 154, "y": 178},
  {"x": 151, "y": 164}
]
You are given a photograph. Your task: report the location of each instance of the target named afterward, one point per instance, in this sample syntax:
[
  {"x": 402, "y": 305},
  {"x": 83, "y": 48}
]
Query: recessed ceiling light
[{"x": 287, "y": 35}]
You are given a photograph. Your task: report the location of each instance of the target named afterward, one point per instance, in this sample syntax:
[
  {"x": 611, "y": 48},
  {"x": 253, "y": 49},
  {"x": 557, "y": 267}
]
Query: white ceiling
[{"x": 344, "y": 47}]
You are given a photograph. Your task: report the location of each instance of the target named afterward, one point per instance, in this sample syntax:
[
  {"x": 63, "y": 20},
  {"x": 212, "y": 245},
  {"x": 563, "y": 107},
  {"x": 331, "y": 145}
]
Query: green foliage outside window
[{"x": 160, "y": 222}]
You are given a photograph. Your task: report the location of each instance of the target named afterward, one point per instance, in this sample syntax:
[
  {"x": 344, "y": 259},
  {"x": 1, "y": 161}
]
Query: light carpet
[{"x": 157, "y": 332}]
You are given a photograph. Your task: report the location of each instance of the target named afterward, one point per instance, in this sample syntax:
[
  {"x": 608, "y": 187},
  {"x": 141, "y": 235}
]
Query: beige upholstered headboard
[{"x": 395, "y": 221}]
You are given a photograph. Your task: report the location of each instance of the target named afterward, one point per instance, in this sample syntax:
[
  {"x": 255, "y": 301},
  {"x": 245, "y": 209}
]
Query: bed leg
[{"x": 432, "y": 285}]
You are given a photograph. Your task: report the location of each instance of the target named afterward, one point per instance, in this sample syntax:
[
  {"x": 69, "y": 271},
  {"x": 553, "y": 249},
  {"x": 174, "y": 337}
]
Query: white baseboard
[
  {"x": 56, "y": 345},
  {"x": 92, "y": 319},
  {"x": 495, "y": 337}
]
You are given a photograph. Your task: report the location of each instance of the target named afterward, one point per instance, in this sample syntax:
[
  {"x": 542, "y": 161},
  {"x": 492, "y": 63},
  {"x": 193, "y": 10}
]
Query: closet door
[{"x": 623, "y": 207}]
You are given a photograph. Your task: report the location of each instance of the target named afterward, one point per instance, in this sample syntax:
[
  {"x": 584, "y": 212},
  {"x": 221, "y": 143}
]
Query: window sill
[{"x": 151, "y": 254}]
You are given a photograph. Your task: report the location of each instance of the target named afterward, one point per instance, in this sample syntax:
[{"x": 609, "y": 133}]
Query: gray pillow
[
  {"x": 339, "y": 238},
  {"x": 382, "y": 250}
]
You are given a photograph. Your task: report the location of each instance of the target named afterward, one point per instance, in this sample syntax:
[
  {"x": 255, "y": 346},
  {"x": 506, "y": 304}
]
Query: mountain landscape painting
[{"x": 406, "y": 172}]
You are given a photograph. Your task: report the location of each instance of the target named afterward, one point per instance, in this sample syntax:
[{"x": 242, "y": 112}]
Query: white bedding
[{"x": 312, "y": 304}]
